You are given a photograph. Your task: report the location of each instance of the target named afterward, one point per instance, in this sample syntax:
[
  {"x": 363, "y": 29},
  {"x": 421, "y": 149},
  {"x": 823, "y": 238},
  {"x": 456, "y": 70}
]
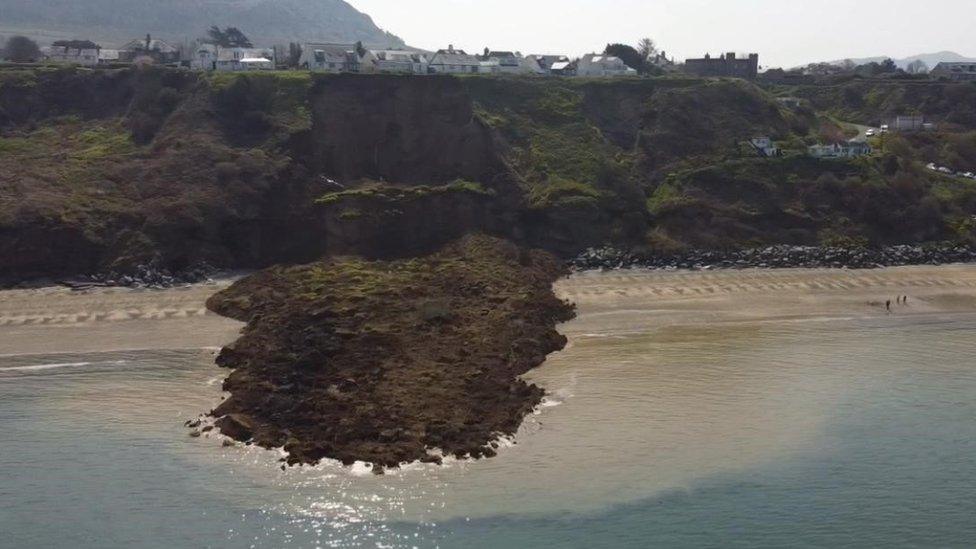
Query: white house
[
  {"x": 452, "y": 61},
  {"x": 107, "y": 57},
  {"x": 603, "y": 65},
  {"x": 913, "y": 123},
  {"x": 332, "y": 57},
  {"x": 396, "y": 61},
  {"x": 851, "y": 149},
  {"x": 764, "y": 146},
  {"x": 74, "y": 56},
  {"x": 212, "y": 58},
  {"x": 507, "y": 62}
]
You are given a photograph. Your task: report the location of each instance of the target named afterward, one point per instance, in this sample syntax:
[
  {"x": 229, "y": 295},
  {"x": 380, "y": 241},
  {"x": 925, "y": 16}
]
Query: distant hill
[
  {"x": 930, "y": 59},
  {"x": 266, "y": 22}
]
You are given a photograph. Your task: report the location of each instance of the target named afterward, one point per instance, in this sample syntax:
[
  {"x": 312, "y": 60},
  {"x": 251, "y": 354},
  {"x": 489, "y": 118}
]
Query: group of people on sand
[{"x": 902, "y": 300}]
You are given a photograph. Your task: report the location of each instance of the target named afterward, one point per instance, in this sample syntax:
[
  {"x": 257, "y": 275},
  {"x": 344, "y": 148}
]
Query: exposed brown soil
[{"x": 390, "y": 362}]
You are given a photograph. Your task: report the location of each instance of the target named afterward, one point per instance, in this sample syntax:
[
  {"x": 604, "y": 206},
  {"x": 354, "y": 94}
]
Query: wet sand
[{"x": 58, "y": 320}]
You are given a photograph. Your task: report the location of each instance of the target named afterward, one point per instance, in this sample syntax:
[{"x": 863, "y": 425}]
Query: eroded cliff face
[
  {"x": 103, "y": 170},
  {"x": 406, "y": 130}
]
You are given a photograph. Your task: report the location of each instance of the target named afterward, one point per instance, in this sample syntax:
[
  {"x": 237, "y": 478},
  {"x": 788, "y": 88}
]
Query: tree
[
  {"x": 647, "y": 48},
  {"x": 76, "y": 44},
  {"x": 848, "y": 65},
  {"x": 917, "y": 67},
  {"x": 888, "y": 66},
  {"x": 294, "y": 54},
  {"x": 630, "y": 56},
  {"x": 231, "y": 37},
  {"x": 20, "y": 49}
]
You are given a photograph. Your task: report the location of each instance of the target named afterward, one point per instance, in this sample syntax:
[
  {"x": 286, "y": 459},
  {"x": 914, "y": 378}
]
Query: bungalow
[
  {"x": 851, "y": 149},
  {"x": 959, "y": 72},
  {"x": 244, "y": 59},
  {"x": 603, "y": 65},
  {"x": 452, "y": 61},
  {"x": 332, "y": 57},
  {"x": 74, "y": 56},
  {"x": 397, "y": 61}
]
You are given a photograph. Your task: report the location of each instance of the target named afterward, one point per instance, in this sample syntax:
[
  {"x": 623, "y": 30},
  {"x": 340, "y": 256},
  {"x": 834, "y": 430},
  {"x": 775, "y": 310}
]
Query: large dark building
[{"x": 726, "y": 65}]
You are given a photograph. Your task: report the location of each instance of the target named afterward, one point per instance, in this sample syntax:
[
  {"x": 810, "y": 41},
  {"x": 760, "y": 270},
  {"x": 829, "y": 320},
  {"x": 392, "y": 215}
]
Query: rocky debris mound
[
  {"x": 390, "y": 362},
  {"x": 778, "y": 257},
  {"x": 150, "y": 275}
]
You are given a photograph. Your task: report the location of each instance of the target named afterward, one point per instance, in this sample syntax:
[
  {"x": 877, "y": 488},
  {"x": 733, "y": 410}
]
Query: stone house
[{"x": 727, "y": 65}]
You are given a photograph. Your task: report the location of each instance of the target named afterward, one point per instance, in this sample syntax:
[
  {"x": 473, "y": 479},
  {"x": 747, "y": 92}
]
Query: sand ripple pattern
[
  {"x": 54, "y": 306},
  {"x": 638, "y": 285}
]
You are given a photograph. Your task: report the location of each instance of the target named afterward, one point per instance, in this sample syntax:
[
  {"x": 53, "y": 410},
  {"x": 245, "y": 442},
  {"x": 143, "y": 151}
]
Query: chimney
[
  {"x": 450, "y": 48},
  {"x": 730, "y": 56}
]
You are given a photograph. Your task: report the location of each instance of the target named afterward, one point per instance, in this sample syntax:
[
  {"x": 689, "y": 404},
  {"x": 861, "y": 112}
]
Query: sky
[{"x": 785, "y": 33}]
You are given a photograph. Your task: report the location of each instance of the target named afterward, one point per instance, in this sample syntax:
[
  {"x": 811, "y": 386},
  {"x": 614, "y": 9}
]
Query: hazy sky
[{"x": 784, "y": 32}]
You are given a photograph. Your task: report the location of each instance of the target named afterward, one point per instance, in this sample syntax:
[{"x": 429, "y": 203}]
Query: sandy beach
[
  {"x": 768, "y": 294},
  {"x": 58, "y": 320}
]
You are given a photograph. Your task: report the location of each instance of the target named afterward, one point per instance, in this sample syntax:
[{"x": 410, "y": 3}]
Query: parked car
[{"x": 869, "y": 133}]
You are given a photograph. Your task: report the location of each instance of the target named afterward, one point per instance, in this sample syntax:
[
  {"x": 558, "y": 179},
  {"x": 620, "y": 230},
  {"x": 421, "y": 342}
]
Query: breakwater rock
[{"x": 778, "y": 257}]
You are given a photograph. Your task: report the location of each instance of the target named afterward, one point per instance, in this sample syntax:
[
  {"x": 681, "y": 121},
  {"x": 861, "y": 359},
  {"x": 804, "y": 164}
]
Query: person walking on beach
[{"x": 888, "y": 305}]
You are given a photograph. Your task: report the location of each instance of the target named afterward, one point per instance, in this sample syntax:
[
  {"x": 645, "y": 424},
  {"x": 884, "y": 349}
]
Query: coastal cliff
[{"x": 108, "y": 170}]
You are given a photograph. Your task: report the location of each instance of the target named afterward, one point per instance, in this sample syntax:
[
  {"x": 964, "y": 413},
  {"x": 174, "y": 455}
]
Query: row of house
[
  {"x": 765, "y": 147},
  {"x": 328, "y": 57},
  {"x": 355, "y": 58},
  {"x": 136, "y": 51}
]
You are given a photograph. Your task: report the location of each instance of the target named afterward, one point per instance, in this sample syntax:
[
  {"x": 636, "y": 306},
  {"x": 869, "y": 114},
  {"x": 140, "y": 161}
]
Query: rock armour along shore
[{"x": 777, "y": 257}]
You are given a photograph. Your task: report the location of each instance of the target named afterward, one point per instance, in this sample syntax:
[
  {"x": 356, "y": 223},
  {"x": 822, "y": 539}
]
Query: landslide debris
[{"x": 390, "y": 362}]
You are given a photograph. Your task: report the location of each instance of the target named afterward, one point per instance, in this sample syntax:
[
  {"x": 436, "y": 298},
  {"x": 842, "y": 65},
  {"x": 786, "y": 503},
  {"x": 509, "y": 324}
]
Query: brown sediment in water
[{"x": 390, "y": 362}]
